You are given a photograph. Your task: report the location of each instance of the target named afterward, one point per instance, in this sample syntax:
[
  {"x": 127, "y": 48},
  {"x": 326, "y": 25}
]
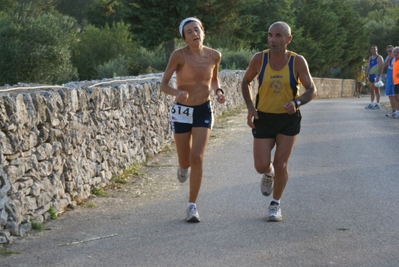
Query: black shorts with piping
[{"x": 269, "y": 125}]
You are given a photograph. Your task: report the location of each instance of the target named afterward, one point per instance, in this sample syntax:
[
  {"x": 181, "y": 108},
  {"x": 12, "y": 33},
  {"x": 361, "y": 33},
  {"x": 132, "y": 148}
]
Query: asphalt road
[{"x": 340, "y": 208}]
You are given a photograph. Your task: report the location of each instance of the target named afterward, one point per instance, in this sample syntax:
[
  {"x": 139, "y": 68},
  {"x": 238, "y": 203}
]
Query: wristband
[
  {"x": 219, "y": 89},
  {"x": 297, "y": 103}
]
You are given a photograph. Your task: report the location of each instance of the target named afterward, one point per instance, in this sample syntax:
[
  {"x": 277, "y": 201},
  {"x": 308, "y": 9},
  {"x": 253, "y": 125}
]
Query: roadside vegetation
[{"x": 58, "y": 41}]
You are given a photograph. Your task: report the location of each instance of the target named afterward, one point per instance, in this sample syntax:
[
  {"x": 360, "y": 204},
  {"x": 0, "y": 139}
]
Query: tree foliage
[
  {"x": 35, "y": 48},
  {"x": 97, "y": 46},
  {"x": 37, "y": 39}
]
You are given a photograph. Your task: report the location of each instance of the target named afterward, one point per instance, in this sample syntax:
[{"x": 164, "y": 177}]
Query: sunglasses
[{"x": 389, "y": 51}]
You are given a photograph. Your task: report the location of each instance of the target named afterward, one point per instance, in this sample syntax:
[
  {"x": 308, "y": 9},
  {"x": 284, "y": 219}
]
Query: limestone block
[
  {"x": 4, "y": 236},
  {"x": 36, "y": 189},
  {"x": 23, "y": 229},
  {"x": 45, "y": 168},
  {"x": 13, "y": 209},
  {"x": 44, "y": 134},
  {"x": 5, "y": 145},
  {"x": 3, "y": 217},
  {"x": 9, "y": 107},
  {"x": 69, "y": 187},
  {"x": 13, "y": 172},
  {"x": 40, "y": 105},
  {"x": 31, "y": 202},
  {"x": 42, "y": 200}
]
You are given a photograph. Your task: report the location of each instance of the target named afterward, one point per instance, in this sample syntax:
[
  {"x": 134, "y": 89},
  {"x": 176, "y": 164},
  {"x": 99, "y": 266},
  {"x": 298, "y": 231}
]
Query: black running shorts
[
  {"x": 269, "y": 125},
  {"x": 183, "y": 117}
]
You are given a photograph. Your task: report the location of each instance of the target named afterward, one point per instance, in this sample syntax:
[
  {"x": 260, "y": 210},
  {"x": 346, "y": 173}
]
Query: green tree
[
  {"x": 155, "y": 22},
  {"x": 102, "y": 12},
  {"x": 364, "y": 7},
  {"x": 35, "y": 48},
  {"x": 7, "y": 5},
  {"x": 382, "y": 25},
  {"x": 227, "y": 23},
  {"x": 38, "y": 7},
  {"x": 277, "y": 10},
  {"x": 355, "y": 40},
  {"x": 337, "y": 38},
  {"x": 74, "y": 8},
  {"x": 97, "y": 46}
]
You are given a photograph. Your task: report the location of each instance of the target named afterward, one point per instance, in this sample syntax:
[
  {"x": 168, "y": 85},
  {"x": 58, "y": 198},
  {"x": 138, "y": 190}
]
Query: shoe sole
[
  {"x": 272, "y": 219},
  {"x": 266, "y": 194},
  {"x": 193, "y": 220},
  {"x": 182, "y": 181}
]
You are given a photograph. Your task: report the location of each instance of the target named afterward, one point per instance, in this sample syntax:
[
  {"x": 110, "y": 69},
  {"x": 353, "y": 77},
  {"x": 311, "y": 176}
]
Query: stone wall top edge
[
  {"x": 103, "y": 83},
  {"x": 107, "y": 82}
]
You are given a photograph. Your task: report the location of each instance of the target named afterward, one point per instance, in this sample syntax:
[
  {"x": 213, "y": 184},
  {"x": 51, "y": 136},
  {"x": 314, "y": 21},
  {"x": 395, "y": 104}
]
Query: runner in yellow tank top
[{"x": 275, "y": 119}]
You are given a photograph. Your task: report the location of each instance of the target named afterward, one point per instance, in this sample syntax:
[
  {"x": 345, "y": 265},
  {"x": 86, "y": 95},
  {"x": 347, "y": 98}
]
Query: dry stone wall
[{"x": 58, "y": 142}]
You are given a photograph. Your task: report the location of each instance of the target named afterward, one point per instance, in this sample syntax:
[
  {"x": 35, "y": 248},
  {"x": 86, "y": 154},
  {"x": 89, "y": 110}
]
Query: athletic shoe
[
  {"x": 274, "y": 214},
  {"x": 395, "y": 115},
  {"x": 390, "y": 115},
  {"x": 266, "y": 185},
  {"x": 376, "y": 106},
  {"x": 370, "y": 106},
  {"x": 192, "y": 214},
  {"x": 182, "y": 175},
  {"x": 358, "y": 96}
]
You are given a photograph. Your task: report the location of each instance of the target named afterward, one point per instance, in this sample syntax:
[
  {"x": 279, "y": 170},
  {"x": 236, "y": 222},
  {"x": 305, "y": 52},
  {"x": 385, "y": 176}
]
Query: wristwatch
[{"x": 297, "y": 103}]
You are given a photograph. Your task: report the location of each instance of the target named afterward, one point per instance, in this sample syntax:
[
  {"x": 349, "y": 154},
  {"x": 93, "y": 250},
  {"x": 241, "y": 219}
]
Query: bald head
[{"x": 281, "y": 24}]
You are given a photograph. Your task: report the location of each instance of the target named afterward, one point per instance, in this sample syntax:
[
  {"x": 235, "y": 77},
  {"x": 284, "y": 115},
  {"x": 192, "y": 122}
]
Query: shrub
[
  {"x": 35, "y": 48},
  {"x": 102, "y": 47},
  {"x": 235, "y": 60},
  {"x": 113, "y": 68},
  {"x": 148, "y": 61}
]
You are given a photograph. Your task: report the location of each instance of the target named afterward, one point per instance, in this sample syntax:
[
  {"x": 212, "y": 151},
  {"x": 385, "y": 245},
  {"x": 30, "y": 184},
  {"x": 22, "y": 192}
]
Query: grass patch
[
  {"x": 53, "y": 214},
  {"x": 100, "y": 192},
  {"x": 90, "y": 205},
  {"x": 37, "y": 226},
  {"x": 6, "y": 252},
  {"x": 123, "y": 178},
  {"x": 166, "y": 148}
]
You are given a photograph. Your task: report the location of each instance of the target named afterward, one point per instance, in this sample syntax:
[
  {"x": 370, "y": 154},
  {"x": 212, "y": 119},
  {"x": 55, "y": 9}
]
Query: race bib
[{"x": 181, "y": 114}]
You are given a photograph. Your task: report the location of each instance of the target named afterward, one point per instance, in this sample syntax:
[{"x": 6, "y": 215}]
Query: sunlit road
[{"x": 340, "y": 208}]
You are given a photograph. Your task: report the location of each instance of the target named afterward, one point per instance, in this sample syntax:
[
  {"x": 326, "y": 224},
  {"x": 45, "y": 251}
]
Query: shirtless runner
[{"x": 196, "y": 67}]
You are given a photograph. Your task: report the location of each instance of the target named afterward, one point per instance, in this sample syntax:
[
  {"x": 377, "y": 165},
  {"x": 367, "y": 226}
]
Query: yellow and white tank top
[{"x": 276, "y": 87}]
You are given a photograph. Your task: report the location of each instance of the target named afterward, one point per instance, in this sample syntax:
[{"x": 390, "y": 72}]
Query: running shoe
[
  {"x": 376, "y": 106},
  {"x": 370, "y": 106},
  {"x": 390, "y": 115},
  {"x": 182, "y": 175},
  {"x": 274, "y": 214},
  {"x": 192, "y": 214},
  {"x": 395, "y": 115},
  {"x": 266, "y": 185}
]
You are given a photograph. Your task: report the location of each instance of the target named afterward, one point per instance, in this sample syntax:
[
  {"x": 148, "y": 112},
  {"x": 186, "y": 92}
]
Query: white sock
[
  {"x": 276, "y": 200},
  {"x": 192, "y": 204},
  {"x": 271, "y": 172}
]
